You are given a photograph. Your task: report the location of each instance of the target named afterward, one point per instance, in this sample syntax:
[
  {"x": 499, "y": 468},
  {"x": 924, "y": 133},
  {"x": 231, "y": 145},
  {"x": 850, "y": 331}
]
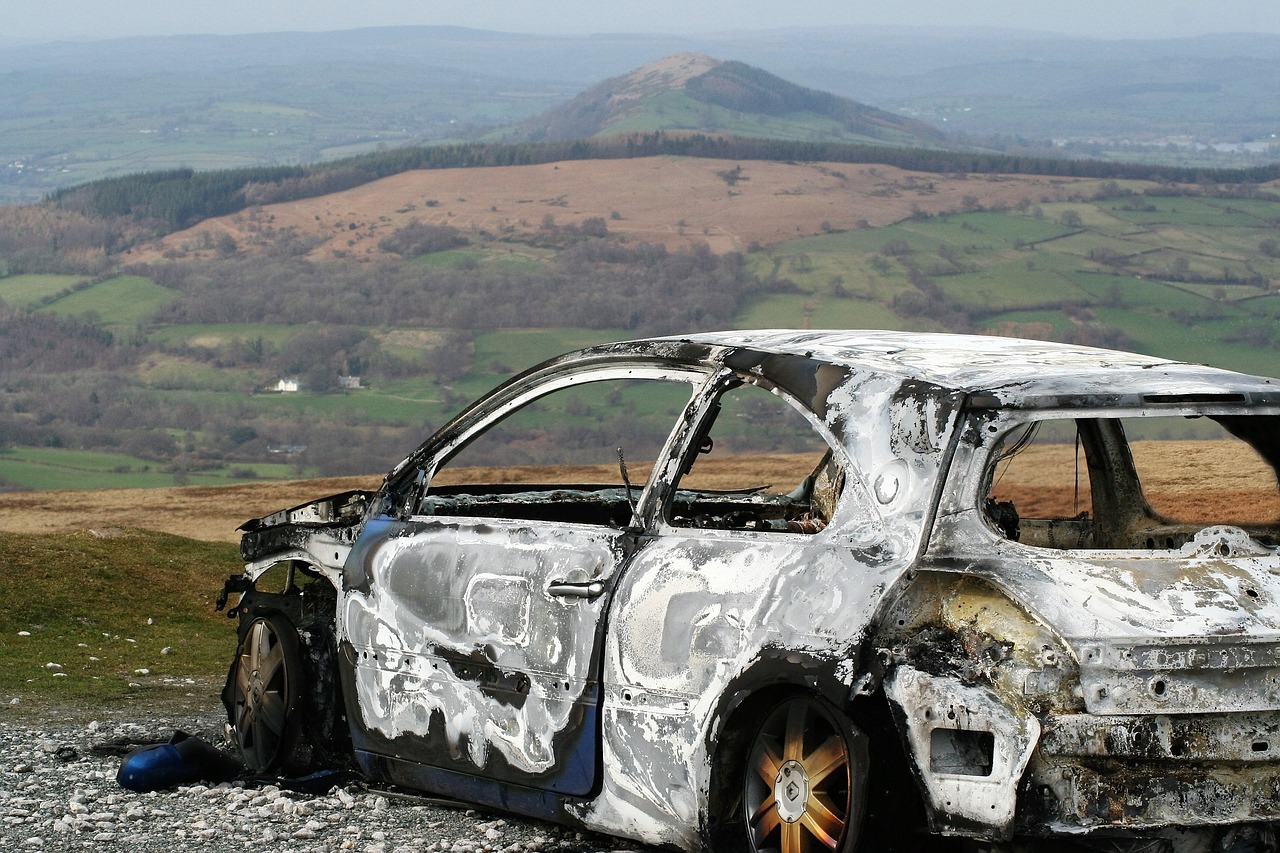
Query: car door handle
[{"x": 594, "y": 589}]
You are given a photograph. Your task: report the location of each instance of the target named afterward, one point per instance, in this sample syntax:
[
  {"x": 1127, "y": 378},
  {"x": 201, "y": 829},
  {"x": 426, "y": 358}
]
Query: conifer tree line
[{"x": 179, "y": 198}]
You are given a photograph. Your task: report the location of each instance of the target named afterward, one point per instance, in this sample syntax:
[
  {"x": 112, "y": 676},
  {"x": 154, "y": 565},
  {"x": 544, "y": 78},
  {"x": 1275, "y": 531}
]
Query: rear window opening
[{"x": 1136, "y": 483}]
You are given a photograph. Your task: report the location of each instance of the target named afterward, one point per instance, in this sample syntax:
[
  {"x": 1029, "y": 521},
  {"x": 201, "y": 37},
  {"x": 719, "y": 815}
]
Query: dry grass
[
  {"x": 1174, "y": 474},
  {"x": 1040, "y": 485},
  {"x": 212, "y": 513}
]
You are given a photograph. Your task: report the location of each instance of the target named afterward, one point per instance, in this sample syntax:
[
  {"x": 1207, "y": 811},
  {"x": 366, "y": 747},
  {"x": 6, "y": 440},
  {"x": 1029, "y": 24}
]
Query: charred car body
[{"x": 689, "y": 645}]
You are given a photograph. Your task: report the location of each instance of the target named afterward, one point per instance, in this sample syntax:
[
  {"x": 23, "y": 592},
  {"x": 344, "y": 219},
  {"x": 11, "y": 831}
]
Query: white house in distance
[{"x": 290, "y": 384}]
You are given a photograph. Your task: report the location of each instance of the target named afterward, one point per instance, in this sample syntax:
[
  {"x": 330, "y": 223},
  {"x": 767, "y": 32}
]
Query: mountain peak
[
  {"x": 671, "y": 72},
  {"x": 700, "y": 94}
]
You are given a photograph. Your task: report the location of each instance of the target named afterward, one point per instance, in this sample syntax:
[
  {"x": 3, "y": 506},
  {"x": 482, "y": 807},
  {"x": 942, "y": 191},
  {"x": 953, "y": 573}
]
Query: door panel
[
  {"x": 466, "y": 659},
  {"x": 471, "y": 629}
]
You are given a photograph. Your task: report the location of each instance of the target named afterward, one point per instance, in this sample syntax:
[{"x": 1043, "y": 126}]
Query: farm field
[{"x": 61, "y": 468}]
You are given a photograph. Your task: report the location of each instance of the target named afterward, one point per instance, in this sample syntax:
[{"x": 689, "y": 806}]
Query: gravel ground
[{"x": 58, "y": 791}]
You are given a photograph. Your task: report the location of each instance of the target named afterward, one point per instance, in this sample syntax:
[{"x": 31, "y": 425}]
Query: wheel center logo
[
  {"x": 791, "y": 791},
  {"x": 253, "y": 696}
]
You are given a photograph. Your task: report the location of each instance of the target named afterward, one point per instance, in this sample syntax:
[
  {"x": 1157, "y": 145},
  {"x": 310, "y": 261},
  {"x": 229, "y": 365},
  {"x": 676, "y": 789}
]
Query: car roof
[{"x": 1013, "y": 369}]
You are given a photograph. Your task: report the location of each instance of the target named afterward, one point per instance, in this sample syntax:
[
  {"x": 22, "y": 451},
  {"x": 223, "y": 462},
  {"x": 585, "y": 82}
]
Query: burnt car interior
[
  {"x": 579, "y": 454},
  {"x": 582, "y": 455},
  {"x": 1135, "y": 484}
]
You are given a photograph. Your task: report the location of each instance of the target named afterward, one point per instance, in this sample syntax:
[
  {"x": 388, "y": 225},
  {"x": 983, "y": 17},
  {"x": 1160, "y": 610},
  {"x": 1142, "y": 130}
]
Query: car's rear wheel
[
  {"x": 804, "y": 780},
  {"x": 266, "y": 696}
]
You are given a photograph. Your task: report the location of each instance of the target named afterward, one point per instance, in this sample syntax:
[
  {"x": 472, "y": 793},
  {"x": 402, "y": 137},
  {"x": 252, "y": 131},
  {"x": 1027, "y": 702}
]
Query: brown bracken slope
[
  {"x": 676, "y": 201},
  {"x": 1042, "y": 485}
]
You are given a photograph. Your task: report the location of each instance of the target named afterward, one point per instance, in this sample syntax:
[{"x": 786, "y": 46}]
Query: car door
[{"x": 472, "y": 627}]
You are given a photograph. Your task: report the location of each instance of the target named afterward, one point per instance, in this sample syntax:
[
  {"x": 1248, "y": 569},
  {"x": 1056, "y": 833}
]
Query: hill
[
  {"x": 220, "y": 102},
  {"x": 431, "y": 286},
  {"x": 728, "y": 205},
  {"x": 393, "y": 287},
  {"x": 696, "y": 93}
]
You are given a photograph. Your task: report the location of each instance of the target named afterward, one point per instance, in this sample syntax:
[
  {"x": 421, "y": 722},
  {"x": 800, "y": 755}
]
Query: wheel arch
[
  {"x": 309, "y": 612},
  {"x": 777, "y": 675},
  {"x": 894, "y": 817}
]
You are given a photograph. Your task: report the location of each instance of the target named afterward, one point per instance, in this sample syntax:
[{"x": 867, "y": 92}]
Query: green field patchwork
[
  {"x": 798, "y": 311},
  {"x": 121, "y": 301},
  {"x": 27, "y": 291},
  {"x": 44, "y": 468}
]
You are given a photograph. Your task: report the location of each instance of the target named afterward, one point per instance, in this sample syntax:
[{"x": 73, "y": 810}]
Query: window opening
[
  {"x": 1135, "y": 483},
  {"x": 758, "y": 464},
  {"x": 556, "y": 458}
]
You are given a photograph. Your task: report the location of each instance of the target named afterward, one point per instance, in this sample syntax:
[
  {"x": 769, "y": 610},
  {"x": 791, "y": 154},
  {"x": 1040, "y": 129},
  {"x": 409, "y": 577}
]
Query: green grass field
[
  {"x": 123, "y": 301},
  {"x": 676, "y": 109},
  {"x": 26, "y": 291},
  {"x": 1022, "y": 271},
  {"x": 61, "y": 468},
  {"x": 106, "y": 620}
]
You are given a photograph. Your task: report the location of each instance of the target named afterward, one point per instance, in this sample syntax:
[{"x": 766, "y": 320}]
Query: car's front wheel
[
  {"x": 266, "y": 696},
  {"x": 804, "y": 780}
]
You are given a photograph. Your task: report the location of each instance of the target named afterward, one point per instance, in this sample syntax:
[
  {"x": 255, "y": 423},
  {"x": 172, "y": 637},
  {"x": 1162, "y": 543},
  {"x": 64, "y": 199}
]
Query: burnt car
[{"x": 801, "y": 590}]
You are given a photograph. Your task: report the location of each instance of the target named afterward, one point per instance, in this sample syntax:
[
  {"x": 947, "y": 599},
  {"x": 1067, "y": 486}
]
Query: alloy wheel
[{"x": 799, "y": 785}]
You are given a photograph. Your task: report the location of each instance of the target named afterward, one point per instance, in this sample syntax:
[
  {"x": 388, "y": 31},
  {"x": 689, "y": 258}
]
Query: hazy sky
[{"x": 47, "y": 20}]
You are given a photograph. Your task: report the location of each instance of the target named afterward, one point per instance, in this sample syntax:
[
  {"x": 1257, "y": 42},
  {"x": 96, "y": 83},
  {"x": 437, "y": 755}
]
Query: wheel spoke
[
  {"x": 769, "y": 763},
  {"x": 244, "y": 675},
  {"x": 823, "y": 823},
  {"x": 258, "y": 643},
  {"x": 259, "y": 746},
  {"x": 272, "y": 712},
  {"x": 826, "y": 759},
  {"x": 793, "y": 746},
  {"x": 271, "y": 664},
  {"x": 769, "y": 819},
  {"x": 791, "y": 838}
]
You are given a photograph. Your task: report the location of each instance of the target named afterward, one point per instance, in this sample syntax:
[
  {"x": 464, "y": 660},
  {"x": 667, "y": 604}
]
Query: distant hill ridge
[{"x": 695, "y": 92}]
